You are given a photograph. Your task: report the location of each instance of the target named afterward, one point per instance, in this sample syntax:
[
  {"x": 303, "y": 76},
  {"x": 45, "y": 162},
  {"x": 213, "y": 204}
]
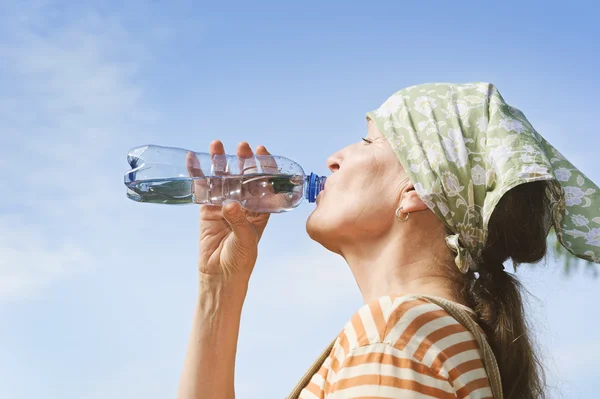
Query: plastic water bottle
[{"x": 262, "y": 183}]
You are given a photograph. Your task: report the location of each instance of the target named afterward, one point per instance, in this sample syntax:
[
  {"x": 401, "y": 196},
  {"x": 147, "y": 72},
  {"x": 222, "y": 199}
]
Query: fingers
[
  {"x": 193, "y": 165},
  {"x": 246, "y": 161},
  {"x": 216, "y": 148},
  {"x": 200, "y": 186},
  {"x": 262, "y": 150},
  {"x": 244, "y": 150},
  {"x": 247, "y": 164},
  {"x": 267, "y": 163},
  {"x": 219, "y": 163}
]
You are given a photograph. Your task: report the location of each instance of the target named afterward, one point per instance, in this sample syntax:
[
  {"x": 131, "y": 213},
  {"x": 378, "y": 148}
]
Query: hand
[{"x": 229, "y": 235}]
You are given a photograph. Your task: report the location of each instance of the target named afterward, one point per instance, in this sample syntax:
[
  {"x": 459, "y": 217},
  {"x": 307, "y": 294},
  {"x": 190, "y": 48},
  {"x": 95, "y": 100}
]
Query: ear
[{"x": 411, "y": 202}]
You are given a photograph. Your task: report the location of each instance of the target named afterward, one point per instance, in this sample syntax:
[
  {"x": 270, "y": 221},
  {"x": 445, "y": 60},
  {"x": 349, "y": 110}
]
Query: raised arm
[{"x": 229, "y": 239}]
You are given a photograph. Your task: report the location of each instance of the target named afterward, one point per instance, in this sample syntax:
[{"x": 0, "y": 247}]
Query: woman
[{"x": 449, "y": 184}]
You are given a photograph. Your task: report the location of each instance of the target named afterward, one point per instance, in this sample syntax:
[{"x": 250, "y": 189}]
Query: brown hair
[{"x": 517, "y": 230}]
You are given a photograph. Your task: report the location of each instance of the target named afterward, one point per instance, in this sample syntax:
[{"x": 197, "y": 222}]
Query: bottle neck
[{"x": 313, "y": 186}]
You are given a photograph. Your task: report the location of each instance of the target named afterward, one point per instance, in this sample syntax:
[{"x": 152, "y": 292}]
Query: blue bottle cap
[{"x": 314, "y": 185}]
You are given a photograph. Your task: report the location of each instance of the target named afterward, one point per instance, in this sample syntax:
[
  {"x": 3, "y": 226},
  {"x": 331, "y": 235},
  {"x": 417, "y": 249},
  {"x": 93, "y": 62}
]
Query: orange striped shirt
[{"x": 401, "y": 347}]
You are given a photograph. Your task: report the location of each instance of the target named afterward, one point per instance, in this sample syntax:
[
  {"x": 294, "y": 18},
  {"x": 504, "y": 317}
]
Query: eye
[{"x": 366, "y": 140}]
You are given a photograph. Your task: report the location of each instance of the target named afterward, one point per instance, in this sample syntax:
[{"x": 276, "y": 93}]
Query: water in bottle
[{"x": 262, "y": 183}]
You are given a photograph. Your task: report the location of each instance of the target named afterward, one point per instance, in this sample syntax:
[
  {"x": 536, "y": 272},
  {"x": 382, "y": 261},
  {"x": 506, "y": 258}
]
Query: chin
[{"x": 321, "y": 230}]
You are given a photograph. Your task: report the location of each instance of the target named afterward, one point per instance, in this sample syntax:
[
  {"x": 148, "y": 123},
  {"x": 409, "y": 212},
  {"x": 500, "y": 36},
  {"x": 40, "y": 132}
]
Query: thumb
[{"x": 236, "y": 217}]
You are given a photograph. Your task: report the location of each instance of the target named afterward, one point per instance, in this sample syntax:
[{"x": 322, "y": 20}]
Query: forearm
[{"x": 208, "y": 371}]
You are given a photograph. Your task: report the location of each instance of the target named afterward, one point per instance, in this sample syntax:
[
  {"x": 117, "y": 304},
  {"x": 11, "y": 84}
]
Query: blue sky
[{"x": 97, "y": 292}]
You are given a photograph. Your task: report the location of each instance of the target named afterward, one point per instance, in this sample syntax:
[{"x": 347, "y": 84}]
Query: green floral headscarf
[{"x": 464, "y": 147}]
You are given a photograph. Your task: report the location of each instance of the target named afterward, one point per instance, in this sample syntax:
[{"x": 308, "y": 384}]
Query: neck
[{"x": 399, "y": 266}]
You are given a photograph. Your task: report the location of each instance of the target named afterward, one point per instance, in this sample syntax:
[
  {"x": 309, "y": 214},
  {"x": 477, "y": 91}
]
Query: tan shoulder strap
[
  {"x": 489, "y": 360},
  {"x": 314, "y": 369}
]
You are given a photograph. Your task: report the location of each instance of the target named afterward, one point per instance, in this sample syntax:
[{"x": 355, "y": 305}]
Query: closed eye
[{"x": 369, "y": 141}]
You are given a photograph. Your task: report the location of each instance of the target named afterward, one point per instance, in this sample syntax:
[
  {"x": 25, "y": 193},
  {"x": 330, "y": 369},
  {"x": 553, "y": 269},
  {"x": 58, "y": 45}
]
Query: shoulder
[
  {"x": 400, "y": 345},
  {"x": 423, "y": 331}
]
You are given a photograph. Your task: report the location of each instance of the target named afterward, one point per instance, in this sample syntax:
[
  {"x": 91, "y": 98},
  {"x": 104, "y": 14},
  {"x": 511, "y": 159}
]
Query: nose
[{"x": 334, "y": 161}]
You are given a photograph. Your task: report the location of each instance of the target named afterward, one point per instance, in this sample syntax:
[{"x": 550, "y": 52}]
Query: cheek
[
  {"x": 359, "y": 195},
  {"x": 360, "y": 176},
  {"x": 341, "y": 217},
  {"x": 364, "y": 188},
  {"x": 351, "y": 210}
]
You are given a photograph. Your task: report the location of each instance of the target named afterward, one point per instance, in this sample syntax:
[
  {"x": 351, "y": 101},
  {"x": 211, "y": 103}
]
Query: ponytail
[{"x": 517, "y": 230}]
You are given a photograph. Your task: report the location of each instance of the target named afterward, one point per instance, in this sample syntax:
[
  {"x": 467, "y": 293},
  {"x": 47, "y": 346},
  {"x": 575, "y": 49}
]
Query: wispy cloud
[
  {"x": 68, "y": 91},
  {"x": 28, "y": 261}
]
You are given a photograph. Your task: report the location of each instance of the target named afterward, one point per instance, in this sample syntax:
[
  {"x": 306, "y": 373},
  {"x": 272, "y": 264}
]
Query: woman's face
[{"x": 361, "y": 195}]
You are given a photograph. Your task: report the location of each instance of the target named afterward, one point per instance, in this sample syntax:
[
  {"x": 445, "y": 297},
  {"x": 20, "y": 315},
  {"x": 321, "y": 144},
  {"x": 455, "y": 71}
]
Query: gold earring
[{"x": 398, "y": 211}]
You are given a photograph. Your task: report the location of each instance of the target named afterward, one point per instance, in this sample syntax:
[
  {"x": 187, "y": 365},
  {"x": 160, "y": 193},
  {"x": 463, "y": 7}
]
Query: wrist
[{"x": 222, "y": 290}]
